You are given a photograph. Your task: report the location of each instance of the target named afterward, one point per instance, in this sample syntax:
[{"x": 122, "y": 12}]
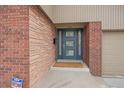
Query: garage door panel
[
  {"x": 107, "y": 53},
  {"x": 113, "y": 53},
  {"x": 111, "y": 61},
  {"x": 111, "y": 69},
  {"x": 111, "y": 43},
  {"x": 108, "y": 47},
  {"x": 114, "y": 70},
  {"x": 111, "y": 65}
]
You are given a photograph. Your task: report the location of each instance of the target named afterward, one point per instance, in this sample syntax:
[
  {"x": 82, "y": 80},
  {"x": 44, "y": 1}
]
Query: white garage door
[{"x": 113, "y": 53}]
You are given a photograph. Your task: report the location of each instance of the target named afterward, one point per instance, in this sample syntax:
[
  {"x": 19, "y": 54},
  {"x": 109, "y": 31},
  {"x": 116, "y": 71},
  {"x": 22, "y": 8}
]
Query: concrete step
[{"x": 70, "y": 69}]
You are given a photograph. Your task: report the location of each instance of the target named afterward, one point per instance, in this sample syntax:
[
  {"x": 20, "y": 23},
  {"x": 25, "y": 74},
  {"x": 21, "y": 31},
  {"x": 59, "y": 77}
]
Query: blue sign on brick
[{"x": 16, "y": 82}]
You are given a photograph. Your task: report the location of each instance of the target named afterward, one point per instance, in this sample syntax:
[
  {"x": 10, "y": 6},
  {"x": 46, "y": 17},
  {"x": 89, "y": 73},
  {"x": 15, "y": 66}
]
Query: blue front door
[{"x": 70, "y": 44}]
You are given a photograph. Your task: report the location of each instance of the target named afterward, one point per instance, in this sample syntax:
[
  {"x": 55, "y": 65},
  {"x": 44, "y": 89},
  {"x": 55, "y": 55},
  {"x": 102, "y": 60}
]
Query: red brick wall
[
  {"x": 14, "y": 44},
  {"x": 42, "y": 49},
  {"x": 85, "y": 46},
  {"x": 24, "y": 26},
  {"x": 93, "y": 34}
]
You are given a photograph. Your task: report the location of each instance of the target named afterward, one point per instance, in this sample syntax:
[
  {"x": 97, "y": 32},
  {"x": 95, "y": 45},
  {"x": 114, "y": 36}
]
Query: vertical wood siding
[
  {"x": 48, "y": 9},
  {"x": 112, "y": 16}
]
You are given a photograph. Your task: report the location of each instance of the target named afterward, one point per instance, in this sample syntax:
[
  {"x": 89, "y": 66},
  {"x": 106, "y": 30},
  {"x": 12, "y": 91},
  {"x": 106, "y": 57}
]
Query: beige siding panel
[
  {"x": 113, "y": 53},
  {"x": 112, "y": 16},
  {"x": 48, "y": 9}
]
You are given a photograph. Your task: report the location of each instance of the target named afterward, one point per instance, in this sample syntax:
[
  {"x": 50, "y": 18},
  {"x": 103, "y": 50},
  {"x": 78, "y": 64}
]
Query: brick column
[
  {"x": 14, "y": 44},
  {"x": 94, "y": 39}
]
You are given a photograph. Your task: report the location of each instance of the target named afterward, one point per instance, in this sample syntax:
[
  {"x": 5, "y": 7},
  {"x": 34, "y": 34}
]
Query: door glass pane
[
  {"x": 70, "y": 43},
  {"x": 79, "y": 43},
  {"x": 69, "y": 34},
  {"x": 69, "y": 52},
  {"x": 60, "y": 41}
]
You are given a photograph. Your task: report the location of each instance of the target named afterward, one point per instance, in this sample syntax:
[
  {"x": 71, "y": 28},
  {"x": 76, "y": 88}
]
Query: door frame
[
  {"x": 57, "y": 44},
  {"x": 88, "y": 51}
]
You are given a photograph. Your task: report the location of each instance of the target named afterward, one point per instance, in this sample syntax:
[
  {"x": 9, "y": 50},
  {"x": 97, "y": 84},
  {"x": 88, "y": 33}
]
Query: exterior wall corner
[{"x": 94, "y": 50}]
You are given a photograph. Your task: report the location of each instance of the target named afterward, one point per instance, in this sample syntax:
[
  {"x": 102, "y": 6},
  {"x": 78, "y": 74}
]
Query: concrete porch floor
[
  {"x": 114, "y": 82},
  {"x": 58, "y": 78}
]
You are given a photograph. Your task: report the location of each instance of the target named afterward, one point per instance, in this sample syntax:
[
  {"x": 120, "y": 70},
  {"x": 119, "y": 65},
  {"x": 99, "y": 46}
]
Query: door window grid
[
  {"x": 70, "y": 43},
  {"x": 69, "y": 34},
  {"x": 69, "y": 52}
]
